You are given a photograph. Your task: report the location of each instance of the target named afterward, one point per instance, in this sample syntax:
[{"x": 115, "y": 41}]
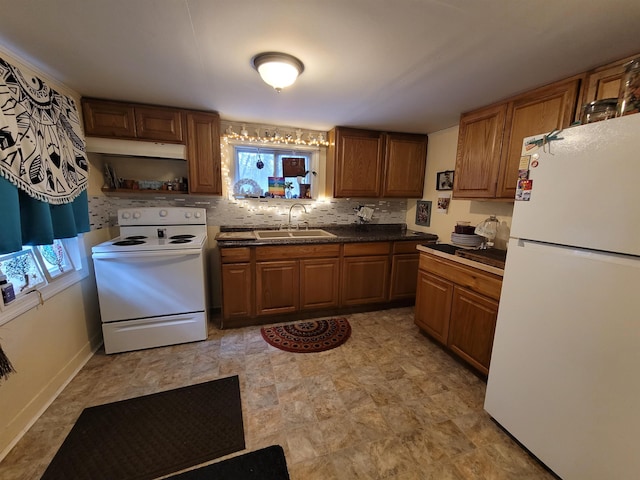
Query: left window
[{"x": 39, "y": 272}]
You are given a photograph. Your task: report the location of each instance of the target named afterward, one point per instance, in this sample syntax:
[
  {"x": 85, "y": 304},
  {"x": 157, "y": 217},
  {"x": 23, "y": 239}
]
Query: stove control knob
[
  {"x": 197, "y": 214},
  {"x": 136, "y": 215},
  {"x": 163, "y": 213},
  {"x": 126, "y": 215},
  {"x": 187, "y": 215}
]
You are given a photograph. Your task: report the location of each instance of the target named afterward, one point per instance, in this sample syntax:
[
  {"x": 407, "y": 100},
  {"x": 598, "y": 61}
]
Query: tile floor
[{"x": 389, "y": 403}]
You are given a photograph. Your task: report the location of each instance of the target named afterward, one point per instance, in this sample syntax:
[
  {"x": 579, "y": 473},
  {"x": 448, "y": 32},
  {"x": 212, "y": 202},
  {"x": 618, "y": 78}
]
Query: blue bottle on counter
[{"x": 8, "y": 295}]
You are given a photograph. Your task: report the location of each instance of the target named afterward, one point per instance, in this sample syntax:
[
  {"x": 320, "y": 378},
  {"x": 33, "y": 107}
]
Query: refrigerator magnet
[
  {"x": 523, "y": 190},
  {"x": 523, "y": 167}
]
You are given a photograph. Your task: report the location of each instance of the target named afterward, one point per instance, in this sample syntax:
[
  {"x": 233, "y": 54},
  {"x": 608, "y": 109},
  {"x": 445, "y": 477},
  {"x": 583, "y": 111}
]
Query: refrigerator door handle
[{"x": 594, "y": 255}]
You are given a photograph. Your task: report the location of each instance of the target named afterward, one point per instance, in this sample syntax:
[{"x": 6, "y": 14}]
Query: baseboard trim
[{"x": 45, "y": 398}]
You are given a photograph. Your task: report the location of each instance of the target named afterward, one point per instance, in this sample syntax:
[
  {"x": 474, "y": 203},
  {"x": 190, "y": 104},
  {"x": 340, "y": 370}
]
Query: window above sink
[{"x": 273, "y": 171}]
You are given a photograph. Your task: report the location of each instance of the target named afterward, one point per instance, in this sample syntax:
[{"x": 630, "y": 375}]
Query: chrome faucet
[{"x": 295, "y": 204}]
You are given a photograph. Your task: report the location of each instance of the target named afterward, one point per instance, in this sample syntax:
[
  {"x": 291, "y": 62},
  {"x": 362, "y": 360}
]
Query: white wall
[
  {"x": 441, "y": 156},
  {"x": 49, "y": 343}
]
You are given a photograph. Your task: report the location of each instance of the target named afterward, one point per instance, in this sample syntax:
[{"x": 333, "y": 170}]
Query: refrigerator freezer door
[
  {"x": 564, "y": 369},
  {"x": 585, "y": 189}
]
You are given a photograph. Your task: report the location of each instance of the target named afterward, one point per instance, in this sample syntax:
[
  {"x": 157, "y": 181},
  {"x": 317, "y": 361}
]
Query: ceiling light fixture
[{"x": 279, "y": 70}]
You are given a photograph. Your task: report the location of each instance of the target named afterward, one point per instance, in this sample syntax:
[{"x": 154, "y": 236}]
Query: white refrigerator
[{"x": 565, "y": 368}]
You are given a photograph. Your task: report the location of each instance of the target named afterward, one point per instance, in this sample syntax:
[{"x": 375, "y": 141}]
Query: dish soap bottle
[{"x": 8, "y": 295}]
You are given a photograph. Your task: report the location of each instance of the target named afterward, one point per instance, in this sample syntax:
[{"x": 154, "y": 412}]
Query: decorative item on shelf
[
  {"x": 306, "y": 172},
  {"x": 110, "y": 177},
  {"x": 288, "y": 186},
  {"x": 150, "y": 184},
  {"x": 291, "y": 137},
  {"x": 423, "y": 213},
  {"x": 54, "y": 254},
  {"x": 444, "y": 180},
  {"x": 247, "y": 187},
  {"x": 22, "y": 267},
  {"x": 305, "y": 190},
  {"x": 8, "y": 294},
  {"x": 293, "y": 167},
  {"x": 276, "y": 186}
]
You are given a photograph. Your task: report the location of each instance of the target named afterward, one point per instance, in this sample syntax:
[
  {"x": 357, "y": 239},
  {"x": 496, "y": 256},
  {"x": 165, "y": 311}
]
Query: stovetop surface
[
  {"x": 157, "y": 228},
  {"x": 141, "y": 243}
]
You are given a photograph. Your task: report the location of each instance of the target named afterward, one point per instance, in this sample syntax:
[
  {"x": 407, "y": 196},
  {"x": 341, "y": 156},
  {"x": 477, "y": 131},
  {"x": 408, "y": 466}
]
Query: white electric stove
[{"x": 152, "y": 283}]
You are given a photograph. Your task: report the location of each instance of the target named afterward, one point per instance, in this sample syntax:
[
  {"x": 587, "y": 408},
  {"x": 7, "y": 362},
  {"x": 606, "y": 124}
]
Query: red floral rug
[{"x": 309, "y": 336}]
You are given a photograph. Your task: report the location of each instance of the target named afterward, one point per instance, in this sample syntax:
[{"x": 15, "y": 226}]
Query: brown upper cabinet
[
  {"x": 369, "y": 163},
  {"x": 106, "y": 118},
  {"x": 404, "y": 167},
  {"x": 203, "y": 153},
  {"x": 199, "y": 131},
  {"x": 490, "y": 139}
]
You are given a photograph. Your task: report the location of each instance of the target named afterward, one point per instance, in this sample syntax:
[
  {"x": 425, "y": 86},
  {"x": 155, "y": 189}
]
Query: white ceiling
[{"x": 403, "y": 65}]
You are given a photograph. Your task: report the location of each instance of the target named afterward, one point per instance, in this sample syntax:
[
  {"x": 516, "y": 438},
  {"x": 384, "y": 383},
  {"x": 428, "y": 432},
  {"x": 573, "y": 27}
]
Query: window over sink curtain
[{"x": 43, "y": 163}]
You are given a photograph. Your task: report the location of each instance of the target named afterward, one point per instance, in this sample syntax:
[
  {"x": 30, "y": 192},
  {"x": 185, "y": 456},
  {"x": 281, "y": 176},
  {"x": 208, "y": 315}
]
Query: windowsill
[{"x": 32, "y": 299}]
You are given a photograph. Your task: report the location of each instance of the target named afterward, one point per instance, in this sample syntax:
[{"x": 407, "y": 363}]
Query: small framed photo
[
  {"x": 444, "y": 180},
  {"x": 423, "y": 213}
]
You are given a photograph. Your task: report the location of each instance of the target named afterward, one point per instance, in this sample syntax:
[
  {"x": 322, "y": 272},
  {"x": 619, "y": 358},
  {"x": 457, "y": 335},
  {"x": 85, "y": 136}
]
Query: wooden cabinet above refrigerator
[{"x": 490, "y": 139}]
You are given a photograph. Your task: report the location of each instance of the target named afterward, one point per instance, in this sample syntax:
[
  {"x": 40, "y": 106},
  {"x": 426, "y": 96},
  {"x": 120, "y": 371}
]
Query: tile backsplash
[{"x": 253, "y": 212}]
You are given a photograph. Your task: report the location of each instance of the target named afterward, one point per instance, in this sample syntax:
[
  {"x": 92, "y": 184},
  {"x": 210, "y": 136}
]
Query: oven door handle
[{"x": 136, "y": 255}]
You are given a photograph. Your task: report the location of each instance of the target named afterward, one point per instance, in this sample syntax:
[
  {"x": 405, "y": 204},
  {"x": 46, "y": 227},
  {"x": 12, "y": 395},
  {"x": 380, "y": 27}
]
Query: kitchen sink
[{"x": 291, "y": 234}]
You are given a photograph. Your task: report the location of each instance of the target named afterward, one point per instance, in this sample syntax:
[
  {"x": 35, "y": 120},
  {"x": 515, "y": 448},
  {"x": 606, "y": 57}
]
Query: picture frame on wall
[
  {"x": 444, "y": 180},
  {"x": 423, "y": 213}
]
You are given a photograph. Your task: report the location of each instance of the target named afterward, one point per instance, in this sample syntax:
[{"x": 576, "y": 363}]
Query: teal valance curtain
[{"x": 43, "y": 164}]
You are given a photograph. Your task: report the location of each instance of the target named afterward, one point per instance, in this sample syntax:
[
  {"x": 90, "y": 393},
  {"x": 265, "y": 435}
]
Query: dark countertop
[
  {"x": 343, "y": 234},
  {"x": 476, "y": 260}
]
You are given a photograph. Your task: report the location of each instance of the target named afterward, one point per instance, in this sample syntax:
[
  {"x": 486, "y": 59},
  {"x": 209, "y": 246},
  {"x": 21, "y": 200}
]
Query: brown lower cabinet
[
  {"x": 365, "y": 273},
  {"x": 319, "y": 283},
  {"x": 457, "y": 305},
  {"x": 277, "y": 287},
  {"x": 404, "y": 270},
  {"x": 263, "y": 283}
]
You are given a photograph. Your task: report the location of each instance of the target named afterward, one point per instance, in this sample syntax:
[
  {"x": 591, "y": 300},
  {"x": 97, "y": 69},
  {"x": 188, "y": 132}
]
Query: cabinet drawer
[
  {"x": 469, "y": 277},
  {"x": 235, "y": 255},
  {"x": 297, "y": 251},
  {"x": 366, "y": 248},
  {"x": 408, "y": 246}
]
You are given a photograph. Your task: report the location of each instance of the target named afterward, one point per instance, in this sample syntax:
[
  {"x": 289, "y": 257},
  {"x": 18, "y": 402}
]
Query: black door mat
[
  {"x": 266, "y": 464},
  {"x": 146, "y": 437}
]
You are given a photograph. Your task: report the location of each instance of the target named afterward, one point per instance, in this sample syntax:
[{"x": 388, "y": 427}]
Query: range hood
[{"x": 135, "y": 148}]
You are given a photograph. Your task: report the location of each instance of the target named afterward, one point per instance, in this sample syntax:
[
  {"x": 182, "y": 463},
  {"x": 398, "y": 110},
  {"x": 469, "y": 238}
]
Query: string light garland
[{"x": 266, "y": 135}]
